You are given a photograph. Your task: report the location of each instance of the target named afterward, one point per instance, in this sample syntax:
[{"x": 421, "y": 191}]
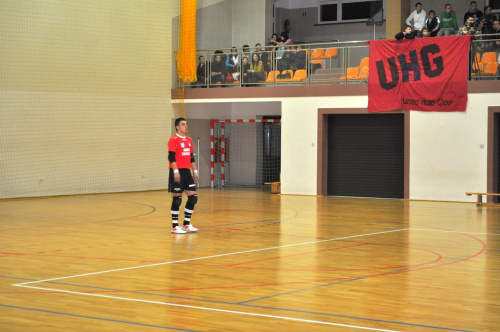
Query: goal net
[{"x": 245, "y": 152}]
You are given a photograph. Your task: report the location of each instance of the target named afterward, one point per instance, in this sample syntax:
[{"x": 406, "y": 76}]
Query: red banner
[{"x": 425, "y": 74}]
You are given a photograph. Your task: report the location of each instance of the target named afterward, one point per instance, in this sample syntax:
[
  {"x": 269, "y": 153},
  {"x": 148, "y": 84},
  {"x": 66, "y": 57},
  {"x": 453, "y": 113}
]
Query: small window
[
  {"x": 495, "y": 5},
  {"x": 343, "y": 11},
  {"x": 362, "y": 10},
  {"x": 328, "y": 13}
]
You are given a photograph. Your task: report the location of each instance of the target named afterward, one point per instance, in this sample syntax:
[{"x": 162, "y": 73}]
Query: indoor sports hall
[{"x": 313, "y": 213}]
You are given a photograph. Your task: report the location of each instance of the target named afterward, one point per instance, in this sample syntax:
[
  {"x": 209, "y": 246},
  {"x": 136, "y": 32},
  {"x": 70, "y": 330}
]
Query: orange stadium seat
[
  {"x": 271, "y": 76},
  {"x": 363, "y": 74},
  {"x": 351, "y": 73},
  {"x": 491, "y": 69},
  {"x": 285, "y": 79},
  {"x": 317, "y": 53},
  {"x": 329, "y": 53},
  {"x": 299, "y": 75}
]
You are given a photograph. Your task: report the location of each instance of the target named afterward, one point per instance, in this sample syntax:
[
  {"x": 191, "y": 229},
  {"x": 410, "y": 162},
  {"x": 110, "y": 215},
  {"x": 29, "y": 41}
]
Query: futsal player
[{"x": 181, "y": 161}]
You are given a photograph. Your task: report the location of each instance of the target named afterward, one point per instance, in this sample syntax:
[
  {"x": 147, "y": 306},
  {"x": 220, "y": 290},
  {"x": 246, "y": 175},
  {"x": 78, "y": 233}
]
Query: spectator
[
  {"x": 263, "y": 56},
  {"x": 425, "y": 33},
  {"x": 488, "y": 19},
  {"x": 418, "y": 17},
  {"x": 201, "y": 72},
  {"x": 476, "y": 13},
  {"x": 479, "y": 47},
  {"x": 246, "y": 51},
  {"x": 274, "y": 40},
  {"x": 285, "y": 39},
  {"x": 494, "y": 46},
  {"x": 232, "y": 61},
  {"x": 245, "y": 67},
  {"x": 283, "y": 42},
  {"x": 407, "y": 33},
  {"x": 448, "y": 25},
  {"x": 469, "y": 28},
  {"x": 432, "y": 24},
  {"x": 298, "y": 59},
  {"x": 271, "y": 49},
  {"x": 256, "y": 71},
  {"x": 218, "y": 70}
]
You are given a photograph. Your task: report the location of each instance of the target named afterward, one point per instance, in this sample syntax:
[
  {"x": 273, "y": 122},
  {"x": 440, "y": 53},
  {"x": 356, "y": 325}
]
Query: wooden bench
[
  {"x": 275, "y": 187},
  {"x": 480, "y": 197}
]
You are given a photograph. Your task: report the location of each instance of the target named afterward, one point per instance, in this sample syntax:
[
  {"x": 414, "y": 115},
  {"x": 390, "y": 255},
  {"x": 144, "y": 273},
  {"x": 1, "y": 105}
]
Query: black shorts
[{"x": 187, "y": 182}]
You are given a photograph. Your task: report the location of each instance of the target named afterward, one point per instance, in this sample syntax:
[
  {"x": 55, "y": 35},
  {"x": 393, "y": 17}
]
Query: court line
[
  {"x": 27, "y": 284},
  {"x": 212, "y": 256},
  {"x": 450, "y": 231},
  {"x": 97, "y": 318},
  {"x": 270, "y": 308},
  {"x": 217, "y": 310}
]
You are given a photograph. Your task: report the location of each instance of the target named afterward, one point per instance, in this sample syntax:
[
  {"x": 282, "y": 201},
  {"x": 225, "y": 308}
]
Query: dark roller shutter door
[
  {"x": 366, "y": 155},
  {"x": 496, "y": 133}
]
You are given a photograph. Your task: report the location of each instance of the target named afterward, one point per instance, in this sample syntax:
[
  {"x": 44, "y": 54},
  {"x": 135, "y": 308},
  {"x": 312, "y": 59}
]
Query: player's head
[
  {"x": 181, "y": 125},
  {"x": 407, "y": 29}
]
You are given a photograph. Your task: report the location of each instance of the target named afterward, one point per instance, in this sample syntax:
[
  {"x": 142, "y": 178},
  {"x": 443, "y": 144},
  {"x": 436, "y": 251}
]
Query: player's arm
[
  {"x": 173, "y": 162},
  {"x": 194, "y": 168}
]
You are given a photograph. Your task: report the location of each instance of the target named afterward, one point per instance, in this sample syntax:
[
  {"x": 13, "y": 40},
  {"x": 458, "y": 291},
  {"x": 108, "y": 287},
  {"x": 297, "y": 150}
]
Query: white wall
[
  {"x": 299, "y": 139},
  {"x": 445, "y": 155}
]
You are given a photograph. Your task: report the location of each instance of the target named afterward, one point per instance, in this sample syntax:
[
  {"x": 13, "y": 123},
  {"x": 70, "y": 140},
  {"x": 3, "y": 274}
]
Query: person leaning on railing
[{"x": 407, "y": 33}]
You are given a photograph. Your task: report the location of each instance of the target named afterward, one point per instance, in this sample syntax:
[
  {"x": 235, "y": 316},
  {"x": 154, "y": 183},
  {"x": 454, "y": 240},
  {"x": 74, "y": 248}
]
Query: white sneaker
[
  {"x": 178, "y": 230},
  {"x": 189, "y": 228}
]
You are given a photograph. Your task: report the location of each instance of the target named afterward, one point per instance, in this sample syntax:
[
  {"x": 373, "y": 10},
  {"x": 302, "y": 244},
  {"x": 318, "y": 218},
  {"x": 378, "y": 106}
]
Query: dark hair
[
  {"x": 258, "y": 44},
  {"x": 418, "y": 3},
  {"x": 486, "y": 8},
  {"x": 258, "y": 59},
  {"x": 472, "y": 3},
  {"x": 201, "y": 56},
  {"x": 246, "y": 46},
  {"x": 431, "y": 11},
  {"x": 178, "y": 121},
  {"x": 425, "y": 29}
]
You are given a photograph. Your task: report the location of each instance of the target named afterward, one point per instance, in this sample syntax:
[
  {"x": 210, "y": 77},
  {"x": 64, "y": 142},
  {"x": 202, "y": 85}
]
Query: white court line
[
  {"x": 26, "y": 284},
  {"x": 218, "y": 310},
  {"x": 206, "y": 257}
]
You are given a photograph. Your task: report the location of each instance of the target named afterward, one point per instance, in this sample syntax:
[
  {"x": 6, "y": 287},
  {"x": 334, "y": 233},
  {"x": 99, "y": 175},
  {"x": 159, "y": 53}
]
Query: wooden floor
[{"x": 259, "y": 262}]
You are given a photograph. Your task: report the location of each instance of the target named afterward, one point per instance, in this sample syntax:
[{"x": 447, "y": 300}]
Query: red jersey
[{"x": 183, "y": 147}]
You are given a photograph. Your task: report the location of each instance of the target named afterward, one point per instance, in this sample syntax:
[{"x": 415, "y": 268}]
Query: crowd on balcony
[{"x": 281, "y": 55}]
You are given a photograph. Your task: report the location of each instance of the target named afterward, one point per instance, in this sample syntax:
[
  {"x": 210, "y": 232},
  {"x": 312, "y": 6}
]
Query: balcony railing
[{"x": 322, "y": 63}]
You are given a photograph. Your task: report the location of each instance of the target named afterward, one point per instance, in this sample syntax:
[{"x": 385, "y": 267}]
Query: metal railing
[{"x": 329, "y": 62}]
